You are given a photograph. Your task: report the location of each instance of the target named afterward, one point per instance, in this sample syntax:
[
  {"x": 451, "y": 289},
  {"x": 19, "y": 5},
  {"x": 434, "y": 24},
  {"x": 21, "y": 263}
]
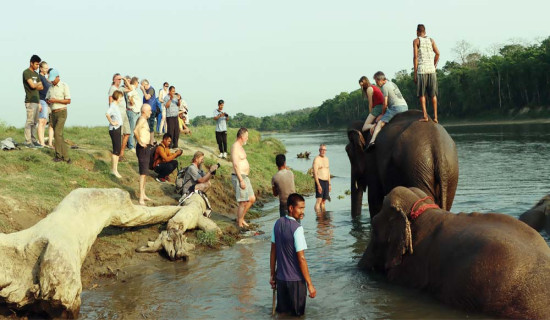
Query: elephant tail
[{"x": 445, "y": 178}]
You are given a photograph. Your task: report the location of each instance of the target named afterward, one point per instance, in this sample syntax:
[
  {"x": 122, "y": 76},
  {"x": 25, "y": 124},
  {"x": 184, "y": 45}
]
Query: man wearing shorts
[
  {"x": 321, "y": 174},
  {"x": 394, "y": 103},
  {"x": 291, "y": 277},
  {"x": 150, "y": 99},
  {"x": 142, "y": 134},
  {"x": 241, "y": 168},
  {"x": 426, "y": 56},
  {"x": 282, "y": 183}
]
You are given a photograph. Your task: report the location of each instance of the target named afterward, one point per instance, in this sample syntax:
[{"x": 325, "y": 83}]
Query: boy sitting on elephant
[{"x": 394, "y": 103}]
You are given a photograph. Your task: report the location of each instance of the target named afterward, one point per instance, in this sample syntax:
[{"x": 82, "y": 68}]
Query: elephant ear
[
  {"x": 399, "y": 237},
  {"x": 356, "y": 138}
]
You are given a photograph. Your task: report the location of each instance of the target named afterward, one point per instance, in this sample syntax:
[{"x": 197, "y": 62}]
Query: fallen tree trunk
[
  {"x": 172, "y": 240},
  {"x": 40, "y": 266}
]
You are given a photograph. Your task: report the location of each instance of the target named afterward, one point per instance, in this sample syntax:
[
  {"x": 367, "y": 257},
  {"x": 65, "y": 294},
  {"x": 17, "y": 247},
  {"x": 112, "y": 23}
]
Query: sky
[{"x": 261, "y": 57}]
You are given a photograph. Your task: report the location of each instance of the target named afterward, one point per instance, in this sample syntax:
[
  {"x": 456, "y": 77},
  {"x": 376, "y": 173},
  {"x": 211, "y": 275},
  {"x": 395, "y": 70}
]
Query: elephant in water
[
  {"x": 538, "y": 217},
  {"x": 490, "y": 263},
  {"x": 408, "y": 153}
]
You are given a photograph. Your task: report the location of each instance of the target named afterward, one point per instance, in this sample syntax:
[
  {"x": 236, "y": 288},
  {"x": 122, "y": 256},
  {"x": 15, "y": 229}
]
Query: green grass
[
  {"x": 33, "y": 179},
  {"x": 207, "y": 238}
]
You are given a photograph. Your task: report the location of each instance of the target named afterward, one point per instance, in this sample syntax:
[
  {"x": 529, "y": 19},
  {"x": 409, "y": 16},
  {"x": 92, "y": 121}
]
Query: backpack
[
  {"x": 180, "y": 180},
  {"x": 153, "y": 151}
]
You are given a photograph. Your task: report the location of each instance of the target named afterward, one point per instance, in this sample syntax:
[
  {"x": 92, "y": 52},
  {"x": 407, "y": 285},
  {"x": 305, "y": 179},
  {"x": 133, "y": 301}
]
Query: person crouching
[{"x": 164, "y": 162}]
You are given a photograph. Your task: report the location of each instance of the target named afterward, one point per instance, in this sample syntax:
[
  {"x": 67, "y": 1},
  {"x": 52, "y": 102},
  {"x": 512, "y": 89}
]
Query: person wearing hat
[{"x": 58, "y": 97}]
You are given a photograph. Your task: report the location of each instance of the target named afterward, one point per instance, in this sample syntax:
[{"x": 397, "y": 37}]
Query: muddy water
[{"x": 502, "y": 168}]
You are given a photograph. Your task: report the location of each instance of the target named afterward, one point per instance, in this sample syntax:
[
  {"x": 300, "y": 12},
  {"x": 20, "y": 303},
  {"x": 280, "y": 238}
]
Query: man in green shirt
[{"x": 32, "y": 84}]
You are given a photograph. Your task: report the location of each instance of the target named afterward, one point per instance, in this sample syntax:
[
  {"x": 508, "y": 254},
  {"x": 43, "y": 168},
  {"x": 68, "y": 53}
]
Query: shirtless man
[
  {"x": 143, "y": 136},
  {"x": 321, "y": 174},
  {"x": 239, "y": 177}
]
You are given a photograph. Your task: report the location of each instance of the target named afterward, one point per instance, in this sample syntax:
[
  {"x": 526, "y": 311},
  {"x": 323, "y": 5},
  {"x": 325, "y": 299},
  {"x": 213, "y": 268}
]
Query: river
[{"x": 503, "y": 168}]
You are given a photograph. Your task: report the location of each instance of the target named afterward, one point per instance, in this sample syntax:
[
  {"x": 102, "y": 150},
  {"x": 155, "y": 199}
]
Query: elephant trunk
[{"x": 356, "y": 197}]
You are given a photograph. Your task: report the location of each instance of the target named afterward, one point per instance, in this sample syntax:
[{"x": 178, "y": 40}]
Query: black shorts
[
  {"x": 291, "y": 297},
  {"x": 143, "y": 155},
  {"x": 325, "y": 195},
  {"x": 116, "y": 139}
]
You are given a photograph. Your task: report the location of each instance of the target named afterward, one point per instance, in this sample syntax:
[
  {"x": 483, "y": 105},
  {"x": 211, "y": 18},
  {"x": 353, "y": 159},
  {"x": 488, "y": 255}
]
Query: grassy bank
[{"x": 32, "y": 185}]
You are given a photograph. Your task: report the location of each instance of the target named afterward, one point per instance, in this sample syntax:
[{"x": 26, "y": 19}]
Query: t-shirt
[
  {"x": 42, "y": 93},
  {"x": 138, "y": 102},
  {"x": 152, "y": 101},
  {"x": 288, "y": 236},
  {"x": 192, "y": 174},
  {"x": 221, "y": 124},
  {"x": 173, "y": 110},
  {"x": 112, "y": 90},
  {"x": 31, "y": 95},
  {"x": 114, "y": 113},
  {"x": 59, "y": 92},
  {"x": 283, "y": 182},
  {"x": 395, "y": 98}
]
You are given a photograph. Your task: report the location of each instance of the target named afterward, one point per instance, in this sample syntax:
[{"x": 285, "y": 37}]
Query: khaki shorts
[{"x": 240, "y": 194}]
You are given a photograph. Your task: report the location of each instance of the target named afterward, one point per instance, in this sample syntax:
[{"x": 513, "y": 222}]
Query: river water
[{"x": 503, "y": 168}]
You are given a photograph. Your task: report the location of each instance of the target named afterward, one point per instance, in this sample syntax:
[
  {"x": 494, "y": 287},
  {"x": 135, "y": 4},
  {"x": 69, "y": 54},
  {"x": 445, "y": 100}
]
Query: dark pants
[
  {"x": 173, "y": 130},
  {"x": 144, "y": 156},
  {"x": 221, "y": 139},
  {"x": 283, "y": 209},
  {"x": 116, "y": 139},
  {"x": 291, "y": 297},
  {"x": 58, "y": 124},
  {"x": 164, "y": 169}
]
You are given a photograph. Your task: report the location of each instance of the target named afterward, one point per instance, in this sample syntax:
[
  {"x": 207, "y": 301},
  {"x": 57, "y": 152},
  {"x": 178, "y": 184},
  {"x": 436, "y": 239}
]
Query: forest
[{"x": 510, "y": 82}]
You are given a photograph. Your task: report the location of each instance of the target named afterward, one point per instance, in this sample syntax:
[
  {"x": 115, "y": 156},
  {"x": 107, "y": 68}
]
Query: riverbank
[{"x": 32, "y": 185}]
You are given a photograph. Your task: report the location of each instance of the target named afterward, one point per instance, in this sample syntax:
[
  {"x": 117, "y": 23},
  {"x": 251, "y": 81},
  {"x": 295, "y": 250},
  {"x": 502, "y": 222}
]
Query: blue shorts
[
  {"x": 392, "y": 111},
  {"x": 44, "y": 113}
]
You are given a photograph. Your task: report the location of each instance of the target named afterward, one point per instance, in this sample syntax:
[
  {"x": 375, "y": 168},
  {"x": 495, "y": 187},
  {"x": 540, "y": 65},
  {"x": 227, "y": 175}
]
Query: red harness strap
[{"x": 416, "y": 213}]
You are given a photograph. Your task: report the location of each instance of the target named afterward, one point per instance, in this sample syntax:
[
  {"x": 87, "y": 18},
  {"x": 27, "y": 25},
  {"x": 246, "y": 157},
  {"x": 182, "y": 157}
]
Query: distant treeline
[{"x": 500, "y": 85}]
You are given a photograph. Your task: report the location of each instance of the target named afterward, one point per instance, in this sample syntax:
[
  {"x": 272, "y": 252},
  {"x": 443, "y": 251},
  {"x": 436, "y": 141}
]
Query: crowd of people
[{"x": 135, "y": 112}]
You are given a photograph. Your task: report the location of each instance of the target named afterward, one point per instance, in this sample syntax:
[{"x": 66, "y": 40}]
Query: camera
[{"x": 214, "y": 172}]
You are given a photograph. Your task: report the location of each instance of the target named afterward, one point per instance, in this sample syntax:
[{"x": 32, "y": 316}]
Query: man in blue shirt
[{"x": 287, "y": 251}]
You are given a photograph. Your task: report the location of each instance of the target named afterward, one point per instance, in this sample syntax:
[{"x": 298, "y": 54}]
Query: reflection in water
[
  {"x": 245, "y": 278},
  {"x": 325, "y": 229}
]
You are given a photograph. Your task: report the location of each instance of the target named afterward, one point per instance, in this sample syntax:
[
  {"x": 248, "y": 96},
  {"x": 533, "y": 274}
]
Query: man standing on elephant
[
  {"x": 321, "y": 174},
  {"x": 291, "y": 277},
  {"x": 426, "y": 56},
  {"x": 394, "y": 103}
]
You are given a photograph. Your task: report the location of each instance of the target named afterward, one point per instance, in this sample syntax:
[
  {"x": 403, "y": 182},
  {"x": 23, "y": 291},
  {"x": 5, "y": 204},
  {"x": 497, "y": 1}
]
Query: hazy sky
[{"x": 261, "y": 57}]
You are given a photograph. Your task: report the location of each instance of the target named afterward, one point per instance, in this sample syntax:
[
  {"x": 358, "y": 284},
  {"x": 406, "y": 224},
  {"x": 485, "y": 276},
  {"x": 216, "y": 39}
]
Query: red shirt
[{"x": 377, "y": 96}]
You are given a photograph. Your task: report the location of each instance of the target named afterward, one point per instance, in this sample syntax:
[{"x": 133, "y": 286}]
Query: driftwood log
[
  {"x": 173, "y": 240},
  {"x": 40, "y": 266}
]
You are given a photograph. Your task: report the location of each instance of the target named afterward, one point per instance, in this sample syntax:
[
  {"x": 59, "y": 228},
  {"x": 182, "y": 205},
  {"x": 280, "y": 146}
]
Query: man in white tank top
[{"x": 426, "y": 56}]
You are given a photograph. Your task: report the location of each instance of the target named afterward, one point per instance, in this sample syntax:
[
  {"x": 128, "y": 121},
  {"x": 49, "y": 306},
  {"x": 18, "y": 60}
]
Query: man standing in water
[
  {"x": 143, "y": 136},
  {"x": 288, "y": 244},
  {"x": 282, "y": 183},
  {"x": 426, "y": 56},
  {"x": 241, "y": 168},
  {"x": 321, "y": 174}
]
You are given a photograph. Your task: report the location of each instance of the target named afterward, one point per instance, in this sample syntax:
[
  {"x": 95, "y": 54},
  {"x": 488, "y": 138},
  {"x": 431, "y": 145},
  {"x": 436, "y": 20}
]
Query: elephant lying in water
[
  {"x": 489, "y": 263},
  {"x": 538, "y": 217},
  {"x": 408, "y": 153}
]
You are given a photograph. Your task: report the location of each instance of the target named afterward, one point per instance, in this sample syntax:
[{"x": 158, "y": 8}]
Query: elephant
[
  {"x": 408, "y": 153},
  {"x": 490, "y": 263},
  {"x": 538, "y": 217}
]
